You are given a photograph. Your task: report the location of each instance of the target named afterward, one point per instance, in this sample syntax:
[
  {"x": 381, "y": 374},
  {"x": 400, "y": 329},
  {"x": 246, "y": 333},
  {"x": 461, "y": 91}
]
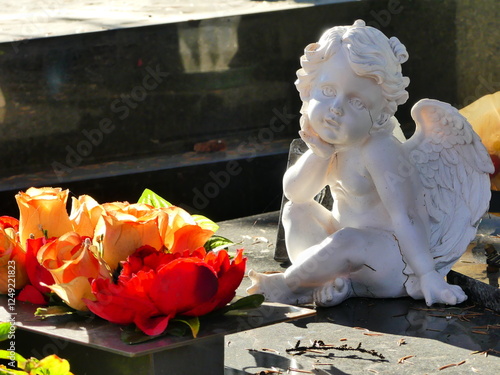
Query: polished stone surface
[
  {"x": 93, "y": 346},
  {"x": 428, "y": 337},
  {"x": 97, "y": 333}
]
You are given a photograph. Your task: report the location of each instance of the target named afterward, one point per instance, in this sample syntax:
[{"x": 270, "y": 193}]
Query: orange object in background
[{"x": 484, "y": 116}]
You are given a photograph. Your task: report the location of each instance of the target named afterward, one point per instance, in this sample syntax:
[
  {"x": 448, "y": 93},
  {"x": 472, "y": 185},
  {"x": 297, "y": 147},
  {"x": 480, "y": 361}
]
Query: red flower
[
  {"x": 32, "y": 295},
  {"x": 36, "y": 272},
  {"x": 229, "y": 275},
  {"x": 9, "y": 222},
  {"x": 153, "y": 287},
  {"x": 12, "y": 256}
]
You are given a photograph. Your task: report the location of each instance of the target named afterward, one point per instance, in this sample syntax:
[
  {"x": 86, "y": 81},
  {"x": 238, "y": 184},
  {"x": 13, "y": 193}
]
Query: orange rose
[
  {"x": 181, "y": 232},
  {"x": 12, "y": 261},
  {"x": 42, "y": 210},
  {"x": 85, "y": 213},
  {"x": 75, "y": 292},
  {"x": 124, "y": 228},
  {"x": 72, "y": 261}
]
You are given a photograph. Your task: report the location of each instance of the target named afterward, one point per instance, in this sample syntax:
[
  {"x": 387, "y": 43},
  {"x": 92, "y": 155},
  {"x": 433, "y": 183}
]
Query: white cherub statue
[{"x": 403, "y": 211}]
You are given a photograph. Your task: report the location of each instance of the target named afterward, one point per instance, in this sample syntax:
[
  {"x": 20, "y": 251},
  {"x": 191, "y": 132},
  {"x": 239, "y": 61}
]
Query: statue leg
[
  {"x": 351, "y": 262},
  {"x": 306, "y": 224}
]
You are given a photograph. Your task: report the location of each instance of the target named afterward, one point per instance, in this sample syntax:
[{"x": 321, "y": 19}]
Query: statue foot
[
  {"x": 274, "y": 289},
  {"x": 333, "y": 293},
  {"x": 436, "y": 290}
]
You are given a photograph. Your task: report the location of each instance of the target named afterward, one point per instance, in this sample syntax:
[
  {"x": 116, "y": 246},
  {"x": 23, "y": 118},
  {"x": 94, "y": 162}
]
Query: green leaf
[
  {"x": 205, "y": 223},
  {"x": 4, "y": 331},
  {"x": 216, "y": 242},
  {"x": 177, "y": 329},
  {"x": 153, "y": 199},
  {"x": 47, "y": 312},
  {"x": 132, "y": 335},
  {"x": 8, "y": 355},
  {"x": 248, "y": 302},
  {"x": 192, "y": 322}
]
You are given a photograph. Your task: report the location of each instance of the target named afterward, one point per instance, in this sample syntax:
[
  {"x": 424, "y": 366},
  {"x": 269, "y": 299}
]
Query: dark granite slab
[{"x": 428, "y": 337}]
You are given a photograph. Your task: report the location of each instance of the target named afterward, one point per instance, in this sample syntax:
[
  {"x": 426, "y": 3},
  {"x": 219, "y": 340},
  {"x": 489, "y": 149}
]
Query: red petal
[
  {"x": 36, "y": 272},
  {"x": 121, "y": 303},
  {"x": 32, "y": 295},
  {"x": 228, "y": 283},
  {"x": 190, "y": 237},
  {"x": 152, "y": 326},
  {"x": 199, "y": 253},
  {"x": 219, "y": 261},
  {"x": 9, "y": 222},
  {"x": 145, "y": 258},
  {"x": 183, "y": 284}
]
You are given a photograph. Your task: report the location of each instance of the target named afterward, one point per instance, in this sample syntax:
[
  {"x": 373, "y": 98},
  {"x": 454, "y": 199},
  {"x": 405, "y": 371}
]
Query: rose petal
[
  {"x": 152, "y": 325},
  {"x": 9, "y": 222},
  {"x": 122, "y": 303},
  {"x": 228, "y": 282},
  {"x": 183, "y": 284},
  {"x": 145, "y": 259},
  {"x": 190, "y": 237},
  {"x": 37, "y": 209},
  {"x": 36, "y": 273},
  {"x": 32, "y": 295},
  {"x": 122, "y": 238},
  {"x": 74, "y": 292}
]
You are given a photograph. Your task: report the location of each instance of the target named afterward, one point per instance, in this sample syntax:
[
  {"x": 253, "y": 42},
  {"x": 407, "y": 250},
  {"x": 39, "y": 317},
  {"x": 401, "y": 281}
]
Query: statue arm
[{"x": 305, "y": 179}]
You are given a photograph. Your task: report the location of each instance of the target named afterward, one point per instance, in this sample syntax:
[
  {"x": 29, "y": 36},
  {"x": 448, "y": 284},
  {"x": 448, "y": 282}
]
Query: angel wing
[{"x": 453, "y": 166}]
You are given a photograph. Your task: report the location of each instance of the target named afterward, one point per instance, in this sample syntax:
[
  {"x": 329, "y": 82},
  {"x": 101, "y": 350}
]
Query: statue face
[{"x": 343, "y": 106}]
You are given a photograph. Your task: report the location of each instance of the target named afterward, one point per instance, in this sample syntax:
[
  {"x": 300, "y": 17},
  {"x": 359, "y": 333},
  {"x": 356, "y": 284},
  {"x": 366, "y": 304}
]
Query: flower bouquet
[{"x": 145, "y": 264}]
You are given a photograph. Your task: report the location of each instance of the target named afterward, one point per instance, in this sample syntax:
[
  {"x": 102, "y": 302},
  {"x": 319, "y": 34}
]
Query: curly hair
[{"x": 370, "y": 54}]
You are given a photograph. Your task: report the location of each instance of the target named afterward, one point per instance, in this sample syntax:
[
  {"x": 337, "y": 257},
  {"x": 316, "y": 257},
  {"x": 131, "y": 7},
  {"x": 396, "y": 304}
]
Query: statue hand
[
  {"x": 320, "y": 148},
  {"x": 436, "y": 290}
]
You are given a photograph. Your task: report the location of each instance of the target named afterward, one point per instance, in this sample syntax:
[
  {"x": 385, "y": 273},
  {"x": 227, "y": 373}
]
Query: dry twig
[
  {"x": 372, "y": 334},
  {"x": 485, "y": 352},
  {"x": 451, "y": 365},
  {"x": 480, "y": 332},
  {"x": 320, "y": 345},
  {"x": 299, "y": 370},
  {"x": 405, "y": 358},
  {"x": 270, "y": 350}
]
